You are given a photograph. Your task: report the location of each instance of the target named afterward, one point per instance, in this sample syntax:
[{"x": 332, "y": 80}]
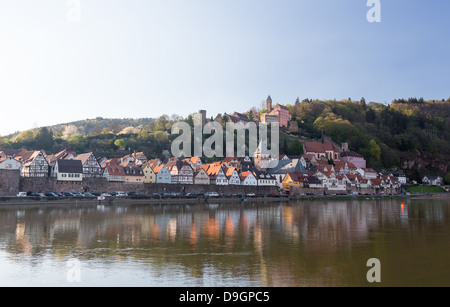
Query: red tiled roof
[{"x": 319, "y": 147}]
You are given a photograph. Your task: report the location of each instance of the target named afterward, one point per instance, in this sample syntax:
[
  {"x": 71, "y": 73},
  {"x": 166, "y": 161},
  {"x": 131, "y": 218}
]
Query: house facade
[
  {"x": 322, "y": 150},
  {"x": 133, "y": 174},
  {"x": 185, "y": 174},
  {"x": 68, "y": 170},
  {"x": 149, "y": 174},
  {"x": 36, "y": 166},
  {"x": 233, "y": 176},
  {"x": 162, "y": 174},
  {"x": 10, "y": 164},
  {"x": 114, "y": 172},
  {"x": 201, "y": 177},
  {"x": 91, "y": 167},
  {"x": 247, "y": 178}
]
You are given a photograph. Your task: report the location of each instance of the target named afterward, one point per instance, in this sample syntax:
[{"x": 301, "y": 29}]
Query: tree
[
  {"x": 285, "y": 148},
  {"x": 374, "y": 151},
  {"x": 447, "y": 178},
  {"x": 162, "y": 123},
  {"x": 44, "y": 139},
  {"x": 295, "y": 148},
  {"x": 250, "y": 115},
  {"x": 121, "y": 143},
  {"x": 77, "y": 142},
  {"x": 363, "y": 103},
  {"x": 69, "y": 130}
]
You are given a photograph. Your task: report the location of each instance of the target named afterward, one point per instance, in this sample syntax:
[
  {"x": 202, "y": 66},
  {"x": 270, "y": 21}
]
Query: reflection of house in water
[{"x": 211, "y": 230}]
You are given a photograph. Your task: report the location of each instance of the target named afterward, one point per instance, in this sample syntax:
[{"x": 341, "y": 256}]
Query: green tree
[
  {"x": 162, "y": 123},
  {"x": 77, "y": 142},
  {"x": 374, "y": 150},
  {"x": 447, "y": 178},
  {"x": 121, "y": 143},
  {"x": 295, "y": 148},
  {"x": 44, "y": 139}
]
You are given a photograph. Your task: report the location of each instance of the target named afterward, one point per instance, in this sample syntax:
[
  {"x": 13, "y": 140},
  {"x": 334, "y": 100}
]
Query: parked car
[
  {"x": 238, "y": 195},
  {"x": 157, "y": 194},
  {"x": 251, "y": 194},
  {"x": 35, "y": 194},
  {"x": 191, "y": 195},
  {"x": 21, "y": 194},
  {"x": 121, "y": 194},
  {"x": 67, "y": 194},
  {"x": 212, "y": 194},
  {"x": 77, "y": 194},
  {"x": 106, "y": 194},
  {"x": 87, "y": 194},
  {"x": 50, "y": 194}
]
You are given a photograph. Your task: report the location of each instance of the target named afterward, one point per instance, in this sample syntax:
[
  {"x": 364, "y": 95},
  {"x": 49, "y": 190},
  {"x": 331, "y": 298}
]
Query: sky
[{"x": 145, "y": 58}]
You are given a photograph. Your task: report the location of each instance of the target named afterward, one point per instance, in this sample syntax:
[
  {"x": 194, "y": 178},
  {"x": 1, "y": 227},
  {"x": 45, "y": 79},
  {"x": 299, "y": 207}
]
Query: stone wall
[
  {"x": 9, "y": 182},
  {"x": 102, "y": 185},
  {"x": 299, "y": 190}
]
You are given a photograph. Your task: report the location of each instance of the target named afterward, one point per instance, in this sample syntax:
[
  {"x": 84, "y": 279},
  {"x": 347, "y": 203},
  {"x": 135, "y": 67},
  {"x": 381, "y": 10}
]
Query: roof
[
  {"x": 83, "y": 157},
  {"x": 133, "y": 171},
  {"x": 341, "y": 164},
  {"x": 313, "y": 180},
  {"x": 241, "y": 116},
  {"x": 281, "y": 107},
  {"x": 213, "y": 170},
  {"x": 158, "y": 168},
  {"x": 376, "y": 181},
  {"x": 262, "y": 175},
  {"x": 69, "y": 166},
  {"x": 319, "y": 147},
  {"x": 369, "y": 170},
  {"x": 285, "y": 166},
  {"x": 244, "y": 175},
  {"x": 115, "y": 170},
  {"x": 296, "y": 176},
  {"x": 349, "y": 153}
]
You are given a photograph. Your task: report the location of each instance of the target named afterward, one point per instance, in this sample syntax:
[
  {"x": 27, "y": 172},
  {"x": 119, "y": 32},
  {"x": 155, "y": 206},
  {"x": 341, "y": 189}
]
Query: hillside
[{"x": 411, "y": 134}]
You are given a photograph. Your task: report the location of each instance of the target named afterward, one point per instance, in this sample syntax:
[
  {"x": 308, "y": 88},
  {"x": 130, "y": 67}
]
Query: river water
[{"x": 305, "y": 243}]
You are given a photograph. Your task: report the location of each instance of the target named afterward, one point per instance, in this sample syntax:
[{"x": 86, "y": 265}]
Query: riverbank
[{"x": 38, "y": 201}]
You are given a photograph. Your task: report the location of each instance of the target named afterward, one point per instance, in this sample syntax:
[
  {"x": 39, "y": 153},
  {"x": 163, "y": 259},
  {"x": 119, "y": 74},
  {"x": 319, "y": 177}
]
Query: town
[{"x": 324, "y": 168}]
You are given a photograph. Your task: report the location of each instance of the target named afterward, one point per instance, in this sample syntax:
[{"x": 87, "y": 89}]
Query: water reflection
[{"x": 251, "y": 244}]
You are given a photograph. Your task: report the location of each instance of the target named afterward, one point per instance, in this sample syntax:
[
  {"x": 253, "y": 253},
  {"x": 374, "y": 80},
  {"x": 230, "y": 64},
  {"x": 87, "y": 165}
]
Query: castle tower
[
  {"x": 202, "y": 114},
  {"x": 269, "y": 104}
]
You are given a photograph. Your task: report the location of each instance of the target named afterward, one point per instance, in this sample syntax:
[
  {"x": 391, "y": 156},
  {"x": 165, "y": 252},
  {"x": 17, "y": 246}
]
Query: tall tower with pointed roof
[{"x": 269, "y": 104}]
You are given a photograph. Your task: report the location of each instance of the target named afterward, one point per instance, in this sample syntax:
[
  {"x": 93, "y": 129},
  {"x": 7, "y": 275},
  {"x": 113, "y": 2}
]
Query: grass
[{"x": 424, "y": 189}]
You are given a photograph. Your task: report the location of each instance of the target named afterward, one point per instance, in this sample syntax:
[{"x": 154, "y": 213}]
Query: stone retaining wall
[{"x": 102, "y": 185}]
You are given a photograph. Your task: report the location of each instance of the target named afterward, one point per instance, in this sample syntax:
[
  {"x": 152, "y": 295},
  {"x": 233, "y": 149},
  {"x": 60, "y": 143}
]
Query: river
[{"x": 290, "y": 244}]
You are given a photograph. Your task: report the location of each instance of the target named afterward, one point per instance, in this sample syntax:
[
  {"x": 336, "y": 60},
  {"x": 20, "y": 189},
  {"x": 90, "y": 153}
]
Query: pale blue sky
[{"x": 143, "y": 58}]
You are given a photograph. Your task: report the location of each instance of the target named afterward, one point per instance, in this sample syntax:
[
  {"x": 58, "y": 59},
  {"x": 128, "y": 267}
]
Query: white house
[
  {"x": 367, "y": 173},
  {"x": 233, "y": 176},
  {"x": 68, "y": 170},
  {"x": 264, "y": 178},
  {"x": 432, "y": 180},
  {"x": 247, "y": 178},
  {"x": 336, "y": 182},
  {"x": 10, "y": 164}
]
